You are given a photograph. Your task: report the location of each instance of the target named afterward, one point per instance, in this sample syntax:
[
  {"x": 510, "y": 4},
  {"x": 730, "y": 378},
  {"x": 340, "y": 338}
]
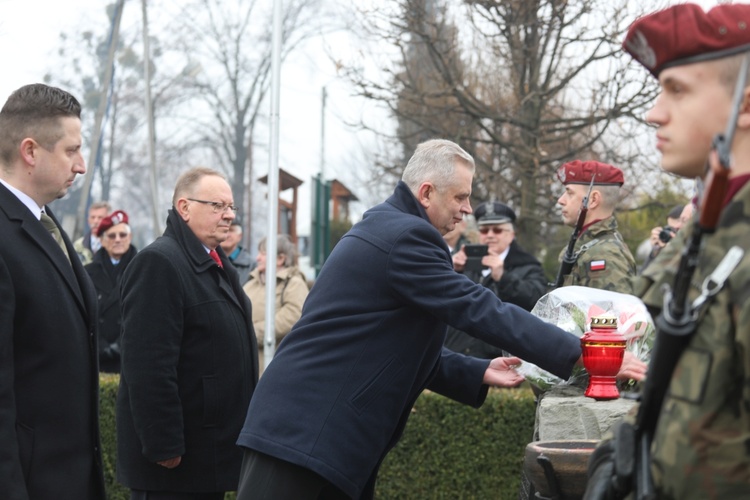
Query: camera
[
  {"x": 475, "y": 250},
  {"x": 474, "y": 254},
  {"x": 666, "y": 234}
]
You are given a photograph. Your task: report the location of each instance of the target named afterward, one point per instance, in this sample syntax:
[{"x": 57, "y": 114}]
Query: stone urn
[{"x": 557, "y": 469}]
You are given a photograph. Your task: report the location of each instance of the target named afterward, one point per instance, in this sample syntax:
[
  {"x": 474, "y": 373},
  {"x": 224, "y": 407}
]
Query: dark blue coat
[{"x": 338, "y": 393}]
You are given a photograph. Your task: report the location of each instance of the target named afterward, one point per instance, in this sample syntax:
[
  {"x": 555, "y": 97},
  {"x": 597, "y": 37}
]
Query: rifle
[
  {"x": 569, "y": 258},
  {"x": 677, "y": 321}
]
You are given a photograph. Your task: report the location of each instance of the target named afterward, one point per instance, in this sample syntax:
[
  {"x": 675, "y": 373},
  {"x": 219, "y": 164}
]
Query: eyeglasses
[
  {"x": 112, "y": 236},
  {"x": 218, "y": 206},
  {"x": 495, "y": 230}
]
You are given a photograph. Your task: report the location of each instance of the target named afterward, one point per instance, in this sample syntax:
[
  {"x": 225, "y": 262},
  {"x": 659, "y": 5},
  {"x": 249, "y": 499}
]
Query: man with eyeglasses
[
  {"x": 189, "y": 353},
  {"x": 603, "y": 259},
  {"x": 512, "y": 274},
  {"x": 105, "y": 271}
]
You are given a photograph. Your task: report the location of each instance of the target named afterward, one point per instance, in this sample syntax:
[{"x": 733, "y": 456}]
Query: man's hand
[
  {"x": 496, "y": 265},
  {"x": 459, "y": 260},
  {"x": 502, "y": 373},
  {"x": 632, "y": 368},
  {"x": 170, "y": 463},
  {"x": 654, "y": 237}
]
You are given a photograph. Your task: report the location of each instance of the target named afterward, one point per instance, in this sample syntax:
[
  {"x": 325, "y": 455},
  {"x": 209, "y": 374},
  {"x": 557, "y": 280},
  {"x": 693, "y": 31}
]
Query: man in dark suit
[
  {"x": 341, "y": 387},
  {"x": 189, "y": 353},
  {"x": 49, "y": 428}
]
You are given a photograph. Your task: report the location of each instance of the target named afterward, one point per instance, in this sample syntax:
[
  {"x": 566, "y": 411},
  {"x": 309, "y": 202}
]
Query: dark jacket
[
  {"x": 106, "y": 278},
  {"x": 338, "y": 393},
  {"x": 523, "y": 283},
  {"x": 189, "y": 367},
  {"x": 49, "y": 384},
  {"x": 243, "y": 262}
]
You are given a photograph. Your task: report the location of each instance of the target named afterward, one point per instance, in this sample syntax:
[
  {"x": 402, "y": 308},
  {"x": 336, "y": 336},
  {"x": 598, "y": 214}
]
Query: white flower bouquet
[{"x": 571, "y": 308}]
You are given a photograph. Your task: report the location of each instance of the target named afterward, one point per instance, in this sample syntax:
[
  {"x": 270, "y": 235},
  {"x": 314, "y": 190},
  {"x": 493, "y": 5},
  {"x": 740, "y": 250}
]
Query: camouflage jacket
[
  {"x": 701, "y": 447},
  {"x": 83, "y": 248},
  {"x": 604, "y": 260}
]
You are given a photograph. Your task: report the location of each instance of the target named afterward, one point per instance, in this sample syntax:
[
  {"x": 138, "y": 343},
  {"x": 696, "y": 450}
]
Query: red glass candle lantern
[{"x": 603, "y": 349}]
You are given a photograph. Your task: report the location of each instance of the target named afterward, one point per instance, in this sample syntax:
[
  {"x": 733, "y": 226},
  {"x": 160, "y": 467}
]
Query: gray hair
[
  {"x": 284, "y": 246},
  {"x": 187, "y": 182},
  {"x": 435, "y": 161},
  {"x": 610, "y": 196}
]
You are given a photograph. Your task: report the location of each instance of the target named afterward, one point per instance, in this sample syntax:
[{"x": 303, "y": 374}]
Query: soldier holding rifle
[
  {"x": 691, "y": 437},
  {"x": 597, "y": 255}
]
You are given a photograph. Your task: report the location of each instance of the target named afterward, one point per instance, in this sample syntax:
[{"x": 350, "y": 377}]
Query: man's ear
[
  {"x": 424, "y": 194},
  {"x": 182, "y": 208},
  {"x": 595, "y": 199},
  {"x": 743, "y": 119},
  {"x": 27, "y": 150}
]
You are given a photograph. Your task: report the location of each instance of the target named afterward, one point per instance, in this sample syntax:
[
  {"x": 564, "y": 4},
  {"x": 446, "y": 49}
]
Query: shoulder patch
[{"x": 598, "y": 265}]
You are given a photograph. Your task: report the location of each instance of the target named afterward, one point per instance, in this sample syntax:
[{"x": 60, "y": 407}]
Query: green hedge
[{"x": 448, "y": 450}]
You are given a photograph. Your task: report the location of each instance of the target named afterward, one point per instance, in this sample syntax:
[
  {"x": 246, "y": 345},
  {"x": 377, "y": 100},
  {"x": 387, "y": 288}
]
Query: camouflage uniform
[
  {"x": 602, "y": 242},
  {"x": 701, "y": 447},
  {"x": 83, "y": 250}
]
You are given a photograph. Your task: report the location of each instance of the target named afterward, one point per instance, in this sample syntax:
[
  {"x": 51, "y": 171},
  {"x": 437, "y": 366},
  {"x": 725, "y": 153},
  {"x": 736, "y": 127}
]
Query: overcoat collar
[
  {"x": 199, "y": 258},
  {"x": 17, "y": 211},
  {"x": 405, "y": 201}
]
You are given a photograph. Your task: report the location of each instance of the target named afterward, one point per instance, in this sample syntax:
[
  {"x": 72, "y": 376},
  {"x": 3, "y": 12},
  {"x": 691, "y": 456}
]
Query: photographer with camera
[
  {"x": 499, "y": 263},
  {"x": 660, "y": 236}
]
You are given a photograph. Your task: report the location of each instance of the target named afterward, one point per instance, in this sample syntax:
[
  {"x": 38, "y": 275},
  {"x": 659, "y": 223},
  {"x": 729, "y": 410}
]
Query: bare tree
[
  {"x": 231, "y": 42},
  {"x": 523, "y": 85}
]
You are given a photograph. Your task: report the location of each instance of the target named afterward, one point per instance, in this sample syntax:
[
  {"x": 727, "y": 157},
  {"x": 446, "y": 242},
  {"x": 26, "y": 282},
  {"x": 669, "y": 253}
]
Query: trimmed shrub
[{"x": 448, "y": 450}]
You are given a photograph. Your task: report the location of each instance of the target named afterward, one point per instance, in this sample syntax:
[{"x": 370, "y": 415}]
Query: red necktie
[{"x": 215, "y": 255}]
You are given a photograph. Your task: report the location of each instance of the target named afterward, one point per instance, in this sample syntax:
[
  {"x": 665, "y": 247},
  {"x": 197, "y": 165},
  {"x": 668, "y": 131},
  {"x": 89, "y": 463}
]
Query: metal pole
[
  {"x": 150, "y": 118},
  {"x": 269, "y": 339},
  {"x": 323, "y": 135}
]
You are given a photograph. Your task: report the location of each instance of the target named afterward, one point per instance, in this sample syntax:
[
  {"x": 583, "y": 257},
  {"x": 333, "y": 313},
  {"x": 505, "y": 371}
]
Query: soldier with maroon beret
[
  {"x": 603, "y": 260},
  {"x": 701, "y": 443}
]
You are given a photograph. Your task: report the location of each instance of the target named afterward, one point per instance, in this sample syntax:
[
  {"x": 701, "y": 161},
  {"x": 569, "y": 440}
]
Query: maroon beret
[
  {"x": 685, "y": 34},
  {"x": 116, "y": 217},
  {"x": 581, "y": 172}
]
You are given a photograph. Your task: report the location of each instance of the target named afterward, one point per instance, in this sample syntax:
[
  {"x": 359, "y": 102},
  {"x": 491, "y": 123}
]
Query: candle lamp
[{"x": 603, "y": 350}]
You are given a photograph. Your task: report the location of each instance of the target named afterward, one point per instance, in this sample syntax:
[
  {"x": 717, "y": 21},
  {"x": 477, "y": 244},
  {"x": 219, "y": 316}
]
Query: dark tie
[
  {"x": 50, "y": 226},
  {"x": 215, "y": 255}
]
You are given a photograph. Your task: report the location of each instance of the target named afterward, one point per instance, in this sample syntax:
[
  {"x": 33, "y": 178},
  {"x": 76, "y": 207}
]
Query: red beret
[
  {"x": 581, "y": 172},
  {"x": 684, "y": 34},
  {"x": 116, "y": 217}
]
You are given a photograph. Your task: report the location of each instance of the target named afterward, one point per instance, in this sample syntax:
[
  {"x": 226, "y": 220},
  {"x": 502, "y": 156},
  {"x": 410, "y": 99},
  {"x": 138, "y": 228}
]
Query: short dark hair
[{"x": 34, "y": 111}]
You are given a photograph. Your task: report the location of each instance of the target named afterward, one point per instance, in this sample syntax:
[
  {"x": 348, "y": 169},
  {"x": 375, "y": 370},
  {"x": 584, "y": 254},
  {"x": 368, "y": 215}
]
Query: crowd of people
[{"x": 183, "y": 319}]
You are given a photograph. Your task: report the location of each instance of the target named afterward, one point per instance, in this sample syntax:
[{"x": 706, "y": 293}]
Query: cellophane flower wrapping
[{"x": 571, "y": 309}]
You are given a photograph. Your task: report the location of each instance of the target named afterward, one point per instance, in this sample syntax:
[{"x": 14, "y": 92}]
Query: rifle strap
[
  {"x": 586, "y": 246},
  {"x": 714, "y": 282}
]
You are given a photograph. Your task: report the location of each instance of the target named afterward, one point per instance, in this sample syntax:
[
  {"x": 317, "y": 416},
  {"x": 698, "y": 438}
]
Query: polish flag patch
[{"x": 598, "y": 265}]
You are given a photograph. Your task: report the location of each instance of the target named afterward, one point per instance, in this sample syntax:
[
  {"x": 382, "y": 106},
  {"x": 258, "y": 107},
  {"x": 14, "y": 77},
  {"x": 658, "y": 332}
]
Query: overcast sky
[{"x": 29, "y": 31}]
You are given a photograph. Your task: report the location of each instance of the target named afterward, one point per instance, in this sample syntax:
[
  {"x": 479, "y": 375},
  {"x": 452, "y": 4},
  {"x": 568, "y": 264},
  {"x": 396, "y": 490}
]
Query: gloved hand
[{"x": 611, "y": 466}]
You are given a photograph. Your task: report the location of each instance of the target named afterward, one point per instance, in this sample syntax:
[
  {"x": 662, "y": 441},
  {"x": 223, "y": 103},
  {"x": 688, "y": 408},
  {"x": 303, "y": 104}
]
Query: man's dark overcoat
[
  {"x": 189, "y": 367},
  {"x": 49, "y": 383},
  {"x": 338, "y": 393},
  {"x": 106, "y": 278}
]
